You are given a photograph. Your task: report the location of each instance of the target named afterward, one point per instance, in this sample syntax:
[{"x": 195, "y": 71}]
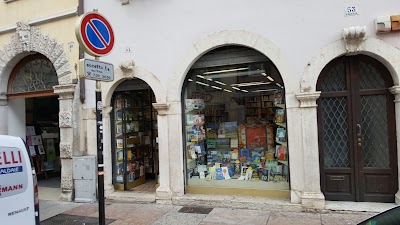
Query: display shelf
[
  {"x": 282, "y": 143},
  {"x": 281, "y": 124},
  {"x": 280, "y": 105}
]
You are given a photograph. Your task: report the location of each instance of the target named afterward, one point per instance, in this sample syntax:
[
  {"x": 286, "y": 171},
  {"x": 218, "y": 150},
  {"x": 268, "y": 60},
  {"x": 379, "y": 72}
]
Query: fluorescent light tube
[
  {"x": 236, "y": 88},
  {"x": 190, "y": 80},
  {"x": 244, "y": 90},
  {"x": 224, "y": 71},
  {"x": 198, "y": 82},
  {"x": 218, "y": 82},
  {"x": 227, "y": 90},
  {"x": 216, "y": 87},
  {"x": 270, "y": 78}
]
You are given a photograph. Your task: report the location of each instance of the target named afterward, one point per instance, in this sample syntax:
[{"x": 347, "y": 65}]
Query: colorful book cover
[
  {"x": 194, "y": 104},
  {"x": 278, "y": 98},
  {"x": 212, "y": 130},
  {"x": 242, "y": 135},
  {"x": 256, "y": 137},
  {"x": 244, "y": 152},
  {"x": 231, "y": 130},
  {"x": 211, "y": 143},
  {"x": 219, "y": 175},
  {"x": 221, "y": 130},
  {"x": 198, "y": 119},
  {"x": 279, "y": 115},
  {"x": 280, "y": 134},
  {"x": 224, "y": 142}
]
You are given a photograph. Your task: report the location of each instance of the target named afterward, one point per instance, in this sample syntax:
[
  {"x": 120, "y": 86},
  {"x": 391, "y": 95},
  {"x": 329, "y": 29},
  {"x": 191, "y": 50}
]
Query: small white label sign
[
  {"x": 351, "y": 11},
  {"x": 96, "y": 70}
]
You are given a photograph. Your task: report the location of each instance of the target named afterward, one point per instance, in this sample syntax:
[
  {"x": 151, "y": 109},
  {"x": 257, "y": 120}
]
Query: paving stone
[
  {"x": 289, "y": 218},
  {"x": 342, "y": 219},
  {"x": 236, "y": 216},
  {"x": 180, "y": 219},
  {"x": 83, "y": 210}
]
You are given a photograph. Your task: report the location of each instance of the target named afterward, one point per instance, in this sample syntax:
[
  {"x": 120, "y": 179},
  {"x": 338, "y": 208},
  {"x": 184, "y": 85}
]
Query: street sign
[
  {"x": 96, "y": 70},
  {"x": 94, "y": 34}
]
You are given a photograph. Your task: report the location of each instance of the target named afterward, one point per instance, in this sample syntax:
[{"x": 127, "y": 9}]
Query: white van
[{"x": 19, "y": 200}]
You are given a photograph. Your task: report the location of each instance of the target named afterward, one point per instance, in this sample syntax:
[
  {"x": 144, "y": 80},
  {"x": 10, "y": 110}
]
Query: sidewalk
[{"x": 157, "y": 214}]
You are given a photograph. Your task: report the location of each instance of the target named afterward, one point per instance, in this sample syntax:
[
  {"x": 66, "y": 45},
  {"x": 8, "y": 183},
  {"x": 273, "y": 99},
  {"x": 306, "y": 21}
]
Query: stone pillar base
[
  {"x": 397, "y": 198},
  {"x": 163, "y": 195},
  {"x": 66, "y": 195},
  {"x": 313, "y": 200}
]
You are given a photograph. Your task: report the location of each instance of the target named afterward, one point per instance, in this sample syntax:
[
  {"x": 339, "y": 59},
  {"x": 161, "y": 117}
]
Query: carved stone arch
[
  {"x": 387, "y": 54},
  {"x": 28, "y": 39},
  {"x": 232, "y": 37}
]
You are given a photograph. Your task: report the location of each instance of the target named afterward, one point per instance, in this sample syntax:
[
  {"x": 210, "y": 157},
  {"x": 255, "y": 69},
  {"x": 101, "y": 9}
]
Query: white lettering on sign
[{"x": 13, "y": 171}]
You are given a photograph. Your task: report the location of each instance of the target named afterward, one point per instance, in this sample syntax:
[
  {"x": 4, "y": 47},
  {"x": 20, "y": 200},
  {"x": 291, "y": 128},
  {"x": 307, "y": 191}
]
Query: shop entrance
[
  {"x": 134, "y": 132},
  {"x": 357, "y": 133},
  {"x": 33, "y": 116}
]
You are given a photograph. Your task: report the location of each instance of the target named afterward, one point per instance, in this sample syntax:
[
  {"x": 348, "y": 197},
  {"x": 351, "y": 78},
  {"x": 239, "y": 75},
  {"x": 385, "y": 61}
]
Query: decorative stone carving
[
  {"x": 308, "y": 99},
  {"x": 127, "y": 65},
  {"x": 65, "y": 89},
  {"x": 65, "y": 150},
  {"x": 65, "y": 119},
  {"x": 353, "y": 37},
  {"x": 396, "y": 92},
  {"x": 161, "y": 108},
  {"x": 30, "y": 39}
]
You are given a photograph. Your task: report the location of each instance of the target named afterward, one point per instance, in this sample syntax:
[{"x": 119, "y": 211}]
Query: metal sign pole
[{"x": 100, "y": 162}]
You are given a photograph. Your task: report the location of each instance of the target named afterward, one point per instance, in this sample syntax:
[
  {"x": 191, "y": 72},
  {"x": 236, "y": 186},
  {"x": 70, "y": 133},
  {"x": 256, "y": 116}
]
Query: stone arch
[
  {"x": 224, "y": 38},
  {"x": 26, "y": 40},
  {"x": 130, "y": 71},
  {"x": 387, "y": 54}
]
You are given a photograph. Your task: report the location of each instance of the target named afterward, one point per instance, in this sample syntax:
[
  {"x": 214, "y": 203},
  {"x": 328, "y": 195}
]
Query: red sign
[{"x": 94, "y": 34}]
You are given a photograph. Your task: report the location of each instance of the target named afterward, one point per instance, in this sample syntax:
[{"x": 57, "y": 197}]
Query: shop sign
[{"x": 96, "y": 70}]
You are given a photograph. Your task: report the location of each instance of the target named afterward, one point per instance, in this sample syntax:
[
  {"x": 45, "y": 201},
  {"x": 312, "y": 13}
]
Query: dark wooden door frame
[{"x": 353, "y": 96}]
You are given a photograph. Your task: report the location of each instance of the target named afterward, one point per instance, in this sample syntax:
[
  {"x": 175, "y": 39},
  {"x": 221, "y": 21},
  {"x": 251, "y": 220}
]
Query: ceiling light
[
  {"x": 216, "y": 87},
  {"x": 227, "y": 90},
  {"x": 190, "y": 80},
  {"x": 224, "y": 71},
  {"x": 236, "y": 88},
  {"x": 218, "y": 82},
  {"x": 250, "y": 84},
  {"x": 201, "y": 76},
  {"x": 262, "y": 90},
  {"x": 270, "y": 78},
  {"x": 209, "y": 79},
  {"x": 264, "y": 74},
  {"x": 245, "y": 91},
  {"x": 198, "y": 82},
  {"x": 235, "y": 74},
  {"x": 278, "y": 84}
]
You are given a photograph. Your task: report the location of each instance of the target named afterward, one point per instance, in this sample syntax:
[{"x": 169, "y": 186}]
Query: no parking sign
[{"x": 95, "y": 34}]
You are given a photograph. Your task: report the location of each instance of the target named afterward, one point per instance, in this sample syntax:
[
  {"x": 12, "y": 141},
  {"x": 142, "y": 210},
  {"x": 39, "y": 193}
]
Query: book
[
  {"x": 280, "y": 134},
  {"x": 231, "y": 129},
  {"x": 278, "y": 97},
  {"x": 279, "y": 115},
  {"x": 256, "y": 137},
  {"x": 194, "y": 104},
  {"x": 198, "y": 119},
  {"x": 212, "y": 130}
]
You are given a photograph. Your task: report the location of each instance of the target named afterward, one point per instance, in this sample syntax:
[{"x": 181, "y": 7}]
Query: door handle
[{"x": 358, "y": 130}]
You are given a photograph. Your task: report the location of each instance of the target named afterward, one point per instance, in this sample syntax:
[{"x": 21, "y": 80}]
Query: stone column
[
  {"x": 3, "y": 114},
  {"x": 108, "y": 186},
  {"x": 396, "y": 92},
  {"x": 312, "y": 196},
  {"x": 163, "y": 192},
  {"x": 66, "y": 97}
]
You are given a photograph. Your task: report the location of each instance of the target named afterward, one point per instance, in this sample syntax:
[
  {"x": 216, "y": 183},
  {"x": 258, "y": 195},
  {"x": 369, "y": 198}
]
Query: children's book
[
  {"x": 231, "y": 130},
  {"x": 244, "y": 152},
  {"x": 280, "y": 134},
  {"x": 279, "y": 115},
  {"x": 212, "y": 130},
  {"x": 278, "y": 98},
  {"x": 198, "y": 119},
  {"x": 219, "y": 175}
]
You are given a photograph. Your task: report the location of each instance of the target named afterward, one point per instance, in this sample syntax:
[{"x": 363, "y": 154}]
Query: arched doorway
[
  {"x": 357, "y": 133},
  {"x": 134, "y": 137},
  {"x": 33, "y": 114},
  {"x": 234, "y": 129}
]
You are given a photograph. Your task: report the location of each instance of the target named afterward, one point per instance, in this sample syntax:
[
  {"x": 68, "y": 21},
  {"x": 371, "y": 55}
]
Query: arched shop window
[
  {"x": 235, "y": 122},
  {"x": 34, "y": 73}
]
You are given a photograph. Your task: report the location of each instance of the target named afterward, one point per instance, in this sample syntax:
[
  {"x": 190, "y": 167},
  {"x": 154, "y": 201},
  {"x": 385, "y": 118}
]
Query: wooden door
[{"x": 357, "y": 136}]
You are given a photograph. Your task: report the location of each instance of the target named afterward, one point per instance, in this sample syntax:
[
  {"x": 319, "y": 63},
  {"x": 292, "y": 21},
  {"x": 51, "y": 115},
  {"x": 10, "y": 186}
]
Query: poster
[{"x": 256, "y": 137}]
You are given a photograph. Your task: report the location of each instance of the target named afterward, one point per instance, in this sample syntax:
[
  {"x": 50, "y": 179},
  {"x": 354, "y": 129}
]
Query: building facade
[
  {"x": 39, "y": 92},
  {"x": 337, "y": 74}
]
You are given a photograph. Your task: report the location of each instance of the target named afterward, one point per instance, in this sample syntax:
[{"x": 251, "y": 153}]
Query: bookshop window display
[{"x": 235, "y": 127}]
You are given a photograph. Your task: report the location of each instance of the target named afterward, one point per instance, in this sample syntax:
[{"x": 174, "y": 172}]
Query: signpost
[{"x": 95, "y": 35}]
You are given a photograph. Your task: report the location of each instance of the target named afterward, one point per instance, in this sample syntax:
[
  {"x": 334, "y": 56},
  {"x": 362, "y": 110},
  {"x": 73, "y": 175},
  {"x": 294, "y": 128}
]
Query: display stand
[{"x": 40, "y": 166}]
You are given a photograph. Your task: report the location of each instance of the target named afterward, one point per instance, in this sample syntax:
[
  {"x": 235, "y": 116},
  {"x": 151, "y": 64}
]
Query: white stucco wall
[{"x": 161, "y": 33}]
